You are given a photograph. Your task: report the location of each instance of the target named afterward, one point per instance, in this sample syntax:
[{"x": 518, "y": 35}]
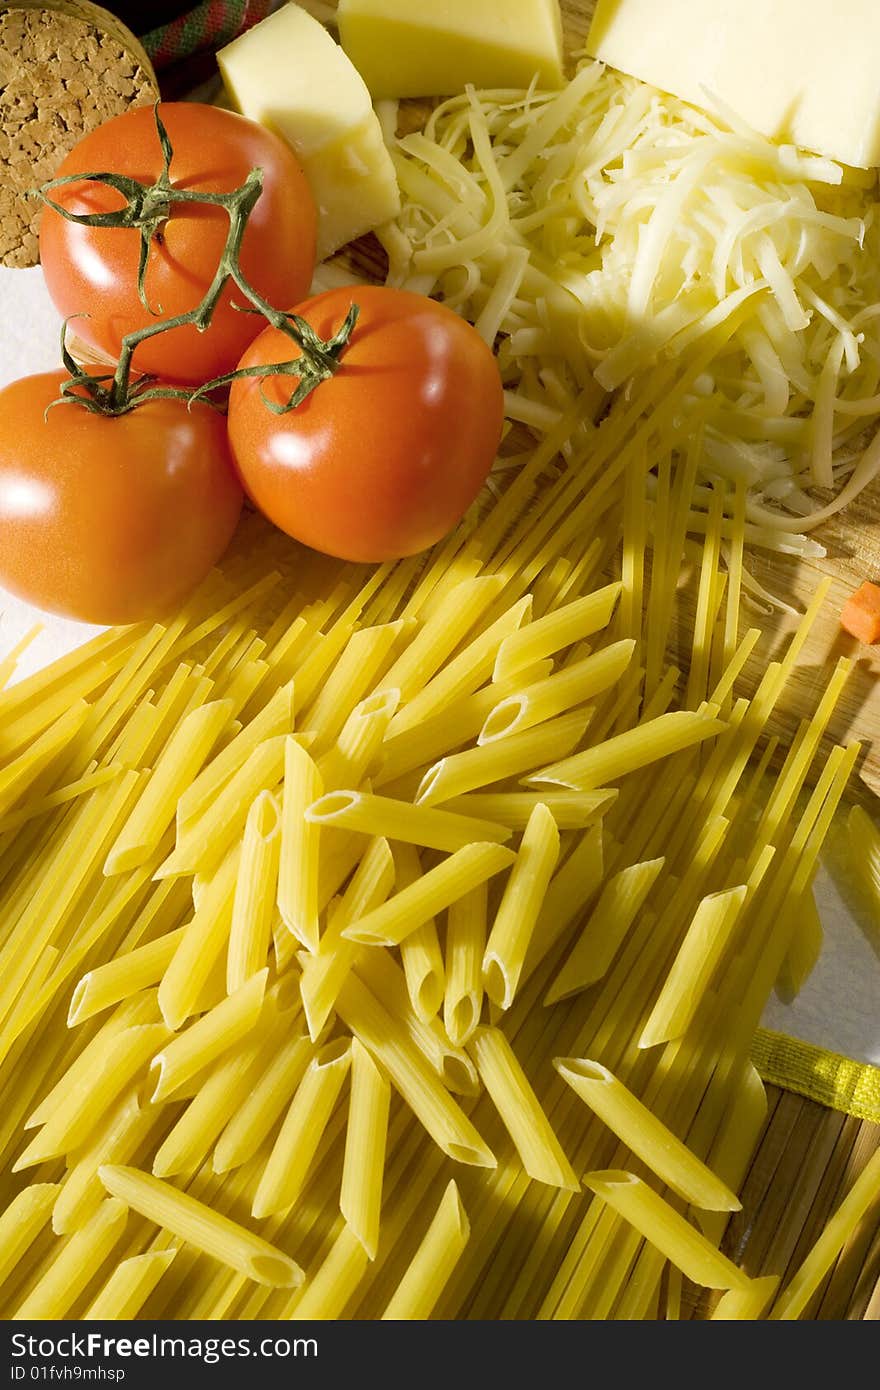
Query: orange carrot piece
[{"x": 861, "y": 613}]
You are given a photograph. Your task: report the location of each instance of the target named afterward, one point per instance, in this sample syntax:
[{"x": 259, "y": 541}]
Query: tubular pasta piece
[
  {"x": 562, "y": 691},
  {"x": 192, "y": 1221},
  {"x": 462, "y": 871},
  {"x": 620, "y": 902},
  {"x": 298, "y": 869},
  {"x": 297, "y": 1141},
  {"x": 430, "y": 1268},
  {"x": 360, "y": 1199},
  {"x": 75, "y": 1265},
  {"x": 400, "y": 820},
  {"x": 520, "y": 905},
  {"x": 256, "y": 891},
  {"x": 662, "y": 1225},
  {"x": 527, "y": 1124},
  {"x": 648, "y": 1138},
  {"x": 634, "y": 749},
  {"x": 384, "y": 1037},
  {"x": 129, "y": 1286}
]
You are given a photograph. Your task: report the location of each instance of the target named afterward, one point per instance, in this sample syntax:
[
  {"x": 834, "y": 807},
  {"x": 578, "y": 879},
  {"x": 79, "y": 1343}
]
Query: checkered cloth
[{"x": 204, "y": 28}]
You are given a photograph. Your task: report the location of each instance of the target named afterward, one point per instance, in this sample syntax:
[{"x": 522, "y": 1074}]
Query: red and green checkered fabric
[{"x": 205, "y": 27}]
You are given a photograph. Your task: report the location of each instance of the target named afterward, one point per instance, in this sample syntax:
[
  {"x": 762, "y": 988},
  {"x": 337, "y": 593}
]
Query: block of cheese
[
  {"x": 803, "y": 72},
  {"x": 289, "y": 74},
  {"x": 423, "y": 48}
]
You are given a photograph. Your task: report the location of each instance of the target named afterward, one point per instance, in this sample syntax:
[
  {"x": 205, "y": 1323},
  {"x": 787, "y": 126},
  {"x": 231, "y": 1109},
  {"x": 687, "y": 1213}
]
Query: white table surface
[{"x": 839, "y": 1007}]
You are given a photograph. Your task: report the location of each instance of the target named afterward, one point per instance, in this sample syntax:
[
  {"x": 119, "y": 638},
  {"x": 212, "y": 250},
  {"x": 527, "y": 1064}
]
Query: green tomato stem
[{"x": 147, "y": 208}]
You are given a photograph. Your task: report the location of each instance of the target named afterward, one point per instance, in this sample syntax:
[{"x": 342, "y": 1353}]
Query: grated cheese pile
[{"x": 609, "y": 230}]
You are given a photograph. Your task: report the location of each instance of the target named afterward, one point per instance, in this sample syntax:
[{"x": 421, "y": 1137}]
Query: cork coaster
[{"x": 64, "y": 69}]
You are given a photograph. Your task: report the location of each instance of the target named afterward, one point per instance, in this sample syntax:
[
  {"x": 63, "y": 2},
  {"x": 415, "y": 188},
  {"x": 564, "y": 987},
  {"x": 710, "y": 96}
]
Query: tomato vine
[{"x": 147, "y": 207}]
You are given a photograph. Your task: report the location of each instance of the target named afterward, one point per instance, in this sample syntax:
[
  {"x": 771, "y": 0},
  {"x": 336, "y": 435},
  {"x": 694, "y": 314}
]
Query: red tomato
[
  {"x": 385, "y": 457},
  {"x": 93, "y": 270},
  {"x": 110, "y": 520}
]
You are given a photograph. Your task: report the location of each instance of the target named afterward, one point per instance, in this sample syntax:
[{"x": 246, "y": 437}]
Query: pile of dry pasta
[{"x": 388, "y": 943}]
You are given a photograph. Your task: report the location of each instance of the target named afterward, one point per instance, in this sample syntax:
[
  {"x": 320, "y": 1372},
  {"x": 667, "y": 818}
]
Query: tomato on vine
[
  {"x": 96, "y": 270},
  {"x": 384, "y": 457}
]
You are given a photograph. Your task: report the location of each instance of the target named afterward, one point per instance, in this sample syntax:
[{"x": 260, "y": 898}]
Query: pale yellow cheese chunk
[
  {"x": 422, "y": 48},
  {"x": 803, "y": 72},
  {"x": 288, "y": 73}
]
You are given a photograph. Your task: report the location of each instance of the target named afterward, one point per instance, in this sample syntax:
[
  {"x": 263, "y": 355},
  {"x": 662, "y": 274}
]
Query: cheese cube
[
  {"x": 422, "y": 48},
  {"x": 289, "y": 74},
  {"x": 802, "y": 72}
]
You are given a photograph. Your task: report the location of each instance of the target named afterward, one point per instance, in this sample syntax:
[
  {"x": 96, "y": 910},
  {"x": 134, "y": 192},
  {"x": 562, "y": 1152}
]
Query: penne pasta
[
  {"x": 271, "y": 1091},
  {"x": 411, "y": 750},
  {"x": 201, "y": 946},
  {"x": 195, "y": 1223},
  {"x": 182, "y": 758},
  {"x": 698, "y": 958},
  {"x": 805, "y": 949},
  {"x": 75, "y": 1265},
  {"x": 520, "y": 905},
  {"x": 298, "y": 869},
  {"x": 324, "y": 972},
  {"x": 479, "y": 767},
  {"x": 273, "y": 721},
  {"x": 358, "y": 751},
  {"x": 556, "y": 631},
  {"x": 21, "y": 1223},
  {"x": 423, "y": 967},
  {"x": 525, "y": 1121},
  {"x": 387, "y": 981},
  {"x": 429, "y": 895},
  {"x": 296, "y": 1144},
  {"x": 220, "y": 1096},
  {"x": 116, "y": 1140},
  {"x": 748, "y": 1304},
  {"x": 466, "y": 932},
  {"x": 140, "y": 1009},
  {"x": 420, "y": 952},
  {"x": 453, "y": 618},
  {"x": 123, "y": 977},
  {"x": 570, "y": 810},
  {"x": 360, "y": 1199},
  {"x": 410, "y": 1074},
  {"x": 129, "y": 1286},
  {"x": 202, "y": 843},
  {"x": 256, "y": 891},
  {"x": 400, "y": 820},
  {"x": 571, "y": 890},
  {"x": 667, "y": 1230},
  {"x": 648, "y": 1137},
  {"x": 627, "y": 752},
  {"x": 429, "y": 1271},
  {"x": 354, "y": 675},
  {"x": 564, "y": 690},
  {"x": 93, "y": 1094},
  {"x": 464, "y": 673},
  {"x": 861, "y": 1197},
  {"x": 621, "y": 900},
  {"x": 210, "y": 1036},
  {"x": 329, "y": 1291}
]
